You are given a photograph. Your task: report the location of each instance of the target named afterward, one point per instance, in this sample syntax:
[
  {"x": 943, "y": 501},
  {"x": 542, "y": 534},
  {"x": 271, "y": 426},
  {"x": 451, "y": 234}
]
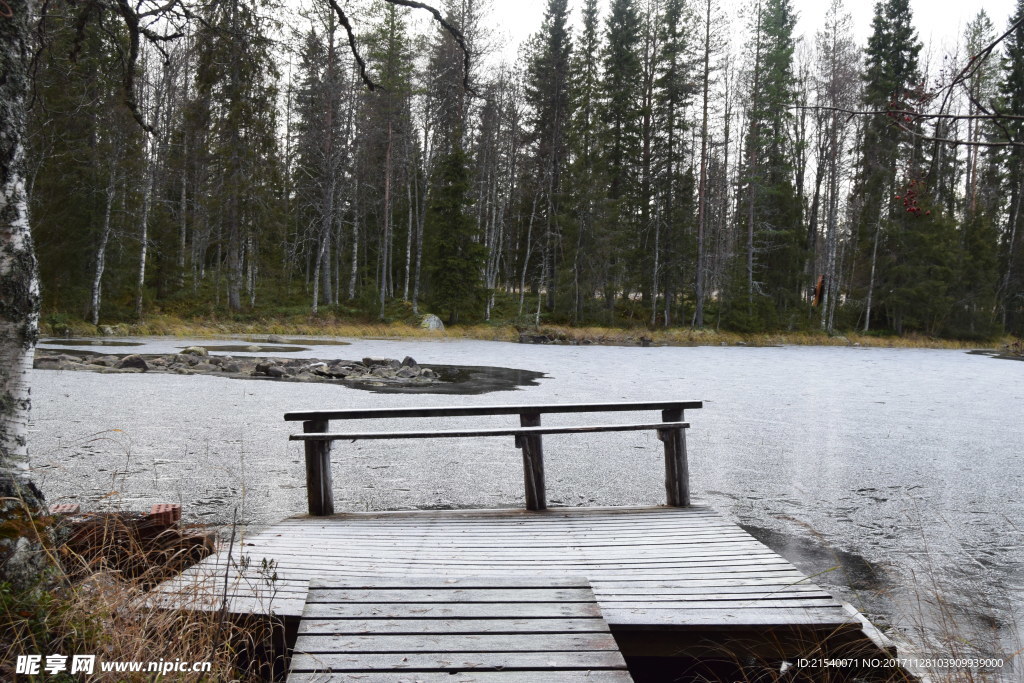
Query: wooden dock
[
  {"x": 668, "y": 581},
  {"x": 485, "y": 629},
  {"x": 511, "y": 595}
]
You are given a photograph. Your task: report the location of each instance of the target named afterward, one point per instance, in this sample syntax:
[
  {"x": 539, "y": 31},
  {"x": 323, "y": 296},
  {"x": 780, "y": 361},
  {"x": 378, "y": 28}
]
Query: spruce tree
[
  {"x": 585, "y": 240},
  {"x": 770, "y": 210},
  {"x": 237, "y": 88},
  {"x": 621, "y": 116},
  {"x": 456, "y": 258},
  {"x": 1011, "y": 285},
  {"x": 547, "y": 93},
  {"x": 890, "y": 81}
]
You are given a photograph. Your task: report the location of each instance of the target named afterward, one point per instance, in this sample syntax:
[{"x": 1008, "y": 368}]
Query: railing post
[
  {"x": 319, "y": 491},
  {"x": 677, "y": 473},
  {"x": 533, "y": 463}
]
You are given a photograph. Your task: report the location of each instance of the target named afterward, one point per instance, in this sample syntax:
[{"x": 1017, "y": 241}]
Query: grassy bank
[{"x": 332, "y": 326}]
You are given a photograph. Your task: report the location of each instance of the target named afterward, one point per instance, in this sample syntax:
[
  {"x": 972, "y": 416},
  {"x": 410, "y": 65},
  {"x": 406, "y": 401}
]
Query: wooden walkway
[
  {"x": 650, "y": 568},
  {"x": 490, "y": 630}
]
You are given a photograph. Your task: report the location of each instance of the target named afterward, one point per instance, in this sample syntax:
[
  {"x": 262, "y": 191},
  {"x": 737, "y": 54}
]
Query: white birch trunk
[
  {"x": 101, "y": 251},
  {"x": 21, "y": 562}
]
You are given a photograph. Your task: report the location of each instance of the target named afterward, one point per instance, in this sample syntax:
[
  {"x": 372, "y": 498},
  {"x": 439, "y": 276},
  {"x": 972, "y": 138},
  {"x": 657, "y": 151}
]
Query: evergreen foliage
[{"x": 634, "y": 171}]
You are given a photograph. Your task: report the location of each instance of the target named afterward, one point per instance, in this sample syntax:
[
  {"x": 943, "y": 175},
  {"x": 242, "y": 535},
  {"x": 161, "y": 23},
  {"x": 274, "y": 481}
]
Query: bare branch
[
  {"x": 452, "y": 30},
  {"x": 353, "y": 46}
]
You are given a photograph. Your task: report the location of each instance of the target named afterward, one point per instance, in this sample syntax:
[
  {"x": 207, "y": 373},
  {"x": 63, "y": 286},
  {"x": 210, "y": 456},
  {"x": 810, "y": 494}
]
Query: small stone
[
  {"x": 195, "y": 351},
  {"x": 252, "y": 348},
  {"x": 134, "y": 361},
  {"x": 406, "y": 373},
  {"x": 428, "y": 373}
]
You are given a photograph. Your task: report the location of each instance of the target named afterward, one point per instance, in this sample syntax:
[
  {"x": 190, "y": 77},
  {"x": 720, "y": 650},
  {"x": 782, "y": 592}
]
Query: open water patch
[
  {"x": 251, "y": 348},
  {"x": 87, "y": 342}
]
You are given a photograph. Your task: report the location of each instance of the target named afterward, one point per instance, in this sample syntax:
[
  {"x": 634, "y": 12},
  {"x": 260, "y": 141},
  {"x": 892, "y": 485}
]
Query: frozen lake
[{"x": 902, "y": 467}]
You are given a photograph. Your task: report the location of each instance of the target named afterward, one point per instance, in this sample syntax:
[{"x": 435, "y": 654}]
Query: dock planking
[
  {"x": 648, "y": 568},
  {"x": 528, "y": 628}
]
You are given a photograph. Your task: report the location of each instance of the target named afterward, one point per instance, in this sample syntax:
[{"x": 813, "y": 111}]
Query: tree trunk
[
  {"x": 21, "y": 559},
  {"x": 101, "y": 249},
  {"x": 147, "y": 193}
]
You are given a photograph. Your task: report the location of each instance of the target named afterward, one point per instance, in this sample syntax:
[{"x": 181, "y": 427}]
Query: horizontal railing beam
[
  {"x": 477, "y": 411},
  {"x": 510, "y": 431}
]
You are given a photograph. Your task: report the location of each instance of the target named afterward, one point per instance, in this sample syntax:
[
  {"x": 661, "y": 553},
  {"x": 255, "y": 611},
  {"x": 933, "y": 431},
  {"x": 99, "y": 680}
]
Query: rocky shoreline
[{"x": 196, "y": 360}]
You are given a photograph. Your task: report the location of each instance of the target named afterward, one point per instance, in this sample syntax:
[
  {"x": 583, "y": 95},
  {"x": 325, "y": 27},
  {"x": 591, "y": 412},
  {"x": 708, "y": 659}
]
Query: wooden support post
[
  {"x": 677, "y": 473},
  {"x": 319, "y": 490},
  {"x": 533, "y": 463}
]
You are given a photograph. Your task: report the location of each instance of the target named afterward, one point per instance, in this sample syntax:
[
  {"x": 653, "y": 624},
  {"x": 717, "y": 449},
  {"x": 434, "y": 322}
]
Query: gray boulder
[
  {"x": 231, "y": 367},
  {"x": 276, "y": 371},
  {"x": 382, "y": 362},
  {"x": 431, "y": 322},
  {"x": 134, "y": 361},
  {"x": 195, "y": 351},
  {"x": 408, "y": 362}
]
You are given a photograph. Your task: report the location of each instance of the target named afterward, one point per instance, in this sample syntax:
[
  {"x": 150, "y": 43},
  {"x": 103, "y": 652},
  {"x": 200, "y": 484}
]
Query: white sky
[{"x": 938, "y": 22}]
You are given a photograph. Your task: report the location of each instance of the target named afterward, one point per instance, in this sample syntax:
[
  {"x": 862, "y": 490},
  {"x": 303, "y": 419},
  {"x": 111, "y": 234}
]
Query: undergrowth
[
  {"x": 99, "y": 604},
  {"x": 337, "y": 326}
]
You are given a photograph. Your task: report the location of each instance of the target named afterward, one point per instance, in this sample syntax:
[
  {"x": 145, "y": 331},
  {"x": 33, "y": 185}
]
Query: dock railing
[{"x": 528, "y": 436}]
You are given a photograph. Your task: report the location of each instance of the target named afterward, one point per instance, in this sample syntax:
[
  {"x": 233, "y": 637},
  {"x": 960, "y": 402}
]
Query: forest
[{"x": 658, "y": 163}]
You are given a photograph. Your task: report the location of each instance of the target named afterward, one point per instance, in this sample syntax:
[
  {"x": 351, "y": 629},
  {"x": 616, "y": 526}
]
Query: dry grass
[
  {"x": 97, "y": 604},
  {"x": 329, "y": 326}
]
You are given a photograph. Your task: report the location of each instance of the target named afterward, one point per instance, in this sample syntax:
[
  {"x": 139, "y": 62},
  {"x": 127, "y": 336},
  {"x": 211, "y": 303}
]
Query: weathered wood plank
[
  {"x": 477, "y": 411},
  {"x": 460, "y": 661},
  {"x": 524, "y": 432},
  {"x": 311, "y": 626},
  {"x": 454, "y": 594},
  {"x": 432, "y": 642},
  {"x": 535, "y": 610}
]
